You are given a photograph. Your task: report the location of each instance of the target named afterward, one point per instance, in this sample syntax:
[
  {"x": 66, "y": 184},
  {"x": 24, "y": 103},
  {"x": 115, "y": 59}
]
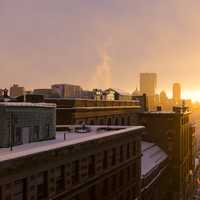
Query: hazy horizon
[{"x": 100, "y": 43}]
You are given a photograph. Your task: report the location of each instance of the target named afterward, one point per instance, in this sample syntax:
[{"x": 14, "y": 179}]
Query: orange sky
[{"x": 48, "y": 41}]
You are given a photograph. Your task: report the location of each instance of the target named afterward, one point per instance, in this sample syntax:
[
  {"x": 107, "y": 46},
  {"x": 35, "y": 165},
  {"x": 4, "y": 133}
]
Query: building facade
[
  {"x": 96, "y": 112},
  {"x": 16, "y": 91},
  {"x": 104, "y": 164},
  {"x": 171, "y": 131},
  {"x": 177, "y": 93},
  {"x": 22, "y": 123},
  {"x": 148, "y": 84},
  {"x": 67, "y": 90}
]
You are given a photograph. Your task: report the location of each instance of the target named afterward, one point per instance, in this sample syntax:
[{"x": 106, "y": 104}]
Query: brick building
[
  {"x": 171, "y": 131},
  {"x": 86, "y": 163},
  {"x": 96, "y": 112}
]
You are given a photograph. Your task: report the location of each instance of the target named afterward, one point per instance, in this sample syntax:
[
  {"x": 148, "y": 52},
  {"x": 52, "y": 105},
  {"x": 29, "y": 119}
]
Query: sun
[{"x": 193, "y": 95}]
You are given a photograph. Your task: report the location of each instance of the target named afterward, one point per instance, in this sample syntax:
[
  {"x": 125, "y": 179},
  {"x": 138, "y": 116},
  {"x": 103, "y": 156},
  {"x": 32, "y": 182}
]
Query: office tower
[
  {"x": 177, "y": 93},
  {"x": 16, "y": 91},
  {"x": 148, "y": 83}
]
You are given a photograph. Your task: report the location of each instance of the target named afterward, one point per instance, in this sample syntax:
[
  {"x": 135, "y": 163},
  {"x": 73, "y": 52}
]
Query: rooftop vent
[{"x": 82, "y": 129}]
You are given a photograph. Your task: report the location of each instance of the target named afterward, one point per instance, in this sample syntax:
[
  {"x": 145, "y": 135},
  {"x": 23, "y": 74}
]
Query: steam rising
[{"x": 102, "y": 77}]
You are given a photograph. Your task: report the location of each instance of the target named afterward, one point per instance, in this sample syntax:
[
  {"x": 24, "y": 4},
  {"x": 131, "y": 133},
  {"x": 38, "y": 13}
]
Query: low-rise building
[
  {"x": 16, "y": 90},
  {"x": 22, "y": 123},
  {"x": 96, "y": 112},
  {"x": 93, "y": 163}
]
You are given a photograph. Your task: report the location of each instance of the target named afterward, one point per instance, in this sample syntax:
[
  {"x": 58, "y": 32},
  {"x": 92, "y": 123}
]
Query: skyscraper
[
  {"x": 177, "y": 93},
  {"x": 148, "y": 83}
]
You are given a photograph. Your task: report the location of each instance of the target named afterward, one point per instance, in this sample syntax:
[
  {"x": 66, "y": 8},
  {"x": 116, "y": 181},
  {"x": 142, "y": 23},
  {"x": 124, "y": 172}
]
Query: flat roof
[
  {"x": 72, "y": 138},
  {"x": 26, "y": 104}
]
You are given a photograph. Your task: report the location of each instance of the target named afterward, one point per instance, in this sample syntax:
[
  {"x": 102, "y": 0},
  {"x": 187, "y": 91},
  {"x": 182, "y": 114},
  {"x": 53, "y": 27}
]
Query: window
[
  {"x": 113, "y": 156},
  {"x": 60, "y": 179},
  {"x": 109, "y": 122},
  {"x": 47, "y": 130},
  {"x": 134, "y": 148},
  {"x": 75, "y": 171},
  {"x": 114, "y": 182},
  {"x": 42, "y": 185},
  {"x": 121, "y": 153},
  {"x": 18, "y": 136},
  {"x": 123, "y": 121},
  {"x": 121, "y": 178},
  {"x": 116, "y": 121},
  {"x": 20, "y": 190},
  {"x": 92, "y": 193},
  {"x": 36, "y": 133},
  {"x": 105, "y": 160},
  {"x": 128, "y": 151},
  {"x": 128, "y": 173},
  {"x": 105, "y": 187},
  {"x": 91, "y": 165}
]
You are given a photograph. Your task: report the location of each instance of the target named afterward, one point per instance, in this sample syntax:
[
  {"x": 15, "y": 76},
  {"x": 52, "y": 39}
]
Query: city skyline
[{"x": 42, "y": 44}]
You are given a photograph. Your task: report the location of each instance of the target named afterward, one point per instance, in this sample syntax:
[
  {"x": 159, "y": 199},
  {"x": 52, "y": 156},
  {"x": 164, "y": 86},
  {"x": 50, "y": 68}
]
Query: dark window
[
  {"x": 105, "y": 160},
  {"x": 109, "y": 122},
  {"x": 116, "y": 121},
  {"x": 134, "y": 148},
  {"x": 128, "y": 151},
  {"x": 20, "y": 190},
  {"x": 75, "y": 172},
  {"x": 92, "y": 193},
  {"x": 42, "y": 185},
  {"x": 121, "y": 153},
  {"x": 60, "y": 179},
  {"x": 36, "y": 133},
  {"x": 105, "y": 187},
  {"x": 18, "y": 136},
  {"x": 113, "y": 156},
  {"x": 91, "y": 165},
  {"x": 123, "y": 121},
  {"x": 128, "y": 173},
  {"x": 121, "y": 178},
  {"x": 114, "y": 182},
  {"x": 47, "y": 130},
  {"x": 134, "y": 170},
  {"x": 128, "y": 121}
]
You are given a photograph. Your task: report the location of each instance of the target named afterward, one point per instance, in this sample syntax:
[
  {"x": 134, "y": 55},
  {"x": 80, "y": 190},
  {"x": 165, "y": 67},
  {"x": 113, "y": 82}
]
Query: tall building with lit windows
[{"x": 177, "y": 93}]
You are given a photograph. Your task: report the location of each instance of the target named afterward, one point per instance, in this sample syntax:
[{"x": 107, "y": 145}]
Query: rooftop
[
  {"x": 75, "y": 135},
  {"x": 152, "y": 157},
  {"x": 26, "y": 104}
]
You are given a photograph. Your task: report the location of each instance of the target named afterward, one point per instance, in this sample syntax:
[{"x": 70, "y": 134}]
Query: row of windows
[
  {"x": 112, "y": 185},
  {"x": 124, "y": 154},
  {"x": 69, "y": 175},
  {"x": 108, "y": 121}
]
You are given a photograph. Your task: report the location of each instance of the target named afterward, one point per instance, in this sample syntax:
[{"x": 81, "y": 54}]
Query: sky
[{"x": 100, "y": 43}]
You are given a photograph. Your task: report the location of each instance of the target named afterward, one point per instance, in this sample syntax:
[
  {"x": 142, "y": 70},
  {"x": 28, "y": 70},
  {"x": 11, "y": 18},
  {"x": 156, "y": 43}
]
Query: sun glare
[{"x": 193, "y": 95}]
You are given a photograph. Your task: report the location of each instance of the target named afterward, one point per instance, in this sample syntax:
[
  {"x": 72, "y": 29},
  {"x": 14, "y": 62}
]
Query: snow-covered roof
[
  {"x": 26, "y": 104},
  {"x": 72, "y": 138},
  {"x": 152, "y": 157}
]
